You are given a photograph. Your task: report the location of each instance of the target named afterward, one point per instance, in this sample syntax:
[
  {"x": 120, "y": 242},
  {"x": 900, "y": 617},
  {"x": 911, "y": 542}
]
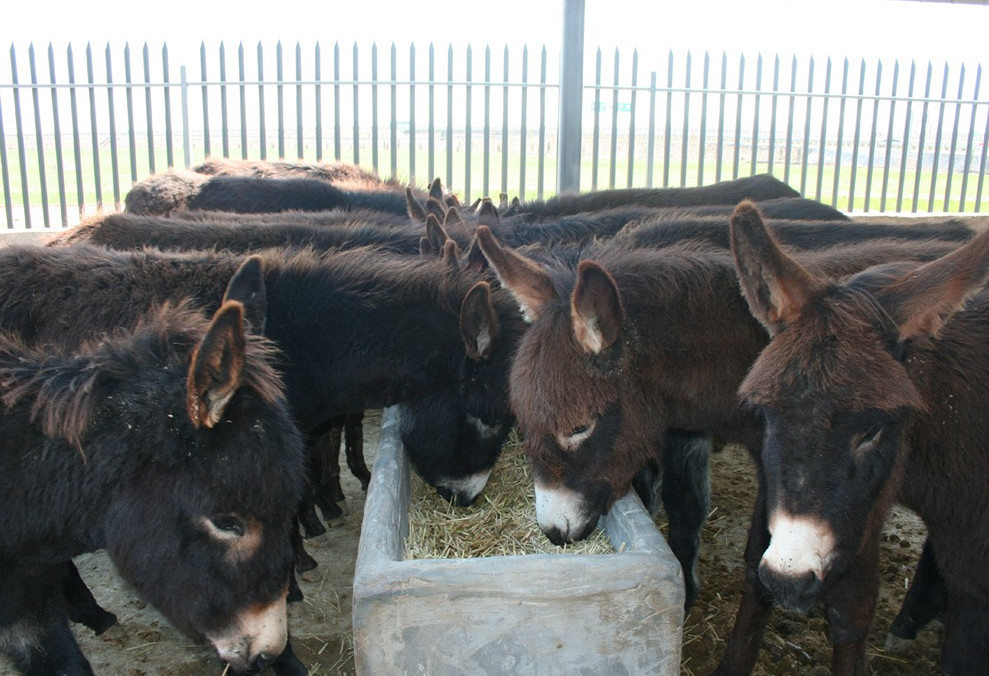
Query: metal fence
[{"x": 79, "y": 127}]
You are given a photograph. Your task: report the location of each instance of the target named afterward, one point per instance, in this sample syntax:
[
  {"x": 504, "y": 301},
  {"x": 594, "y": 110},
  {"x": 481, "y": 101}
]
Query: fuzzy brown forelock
[{"x": 832, "y": 353}]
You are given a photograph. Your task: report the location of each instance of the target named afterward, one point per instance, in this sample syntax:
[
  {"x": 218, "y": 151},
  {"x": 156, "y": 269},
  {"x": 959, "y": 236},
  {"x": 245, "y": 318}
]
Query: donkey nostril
[{"x": 261, "y": 662}]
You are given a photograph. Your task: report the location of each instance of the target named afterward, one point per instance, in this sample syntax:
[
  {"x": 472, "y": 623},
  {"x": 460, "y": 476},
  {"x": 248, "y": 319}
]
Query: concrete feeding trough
[{"x": 596, "y": 614}]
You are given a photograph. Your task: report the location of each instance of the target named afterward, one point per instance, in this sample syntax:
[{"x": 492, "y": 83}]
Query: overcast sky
[{"x": 868, "y": 28}]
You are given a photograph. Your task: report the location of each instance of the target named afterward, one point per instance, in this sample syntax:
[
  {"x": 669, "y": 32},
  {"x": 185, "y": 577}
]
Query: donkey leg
[
  {"x": 34, "y": 627},
  {"x": 742, "y": 649},
  {"x": 287, "y": 664},
  {"x": 354, "y": 443},
  {"x": 966, "y": 637},
  {"x": 850, "y": 606},
  {"x": 81, "y": 605},
  {"x": 303, "y": 561},
  {"x": 307, "y": 507},
  {"x": 686, "y": 493},
  {"x": 925, "y": 601},
  {"x": 328, "y": 489}
]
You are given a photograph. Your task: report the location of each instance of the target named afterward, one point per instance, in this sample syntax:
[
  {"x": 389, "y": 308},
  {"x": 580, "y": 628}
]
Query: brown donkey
[{"x": 872, "y": 390}]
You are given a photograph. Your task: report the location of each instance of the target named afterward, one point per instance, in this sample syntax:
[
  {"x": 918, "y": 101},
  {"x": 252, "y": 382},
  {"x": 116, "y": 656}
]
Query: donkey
[
  {"x": 872, "y": 390},
  {"x": 624, "y": 346},
  {"x": 757, "y": 188},
  {"x": 359, "y": 329},
  {"x": 130, "y": 231},
  {"x": 178, "y": 428}
]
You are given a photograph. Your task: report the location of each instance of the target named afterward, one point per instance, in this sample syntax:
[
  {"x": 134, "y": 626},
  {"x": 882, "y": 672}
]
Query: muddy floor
[{"x": 143, "y": 644}]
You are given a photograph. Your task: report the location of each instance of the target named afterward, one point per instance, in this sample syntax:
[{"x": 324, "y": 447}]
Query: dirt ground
[{"x": 143, "y": 644}]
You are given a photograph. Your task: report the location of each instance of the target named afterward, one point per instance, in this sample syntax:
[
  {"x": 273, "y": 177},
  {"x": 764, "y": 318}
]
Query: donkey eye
[
  {"x": 577, "y": 436},
  {"x": 869, "y": 440},
  {"x": 227, "y": 526}
]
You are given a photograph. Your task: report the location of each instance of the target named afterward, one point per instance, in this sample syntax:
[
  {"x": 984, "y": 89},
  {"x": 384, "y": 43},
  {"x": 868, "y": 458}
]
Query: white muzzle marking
[
  {"x": 257, "y": 630},
  {"x": 799, "y": 545},
  {"x": 560, "y": 509}
]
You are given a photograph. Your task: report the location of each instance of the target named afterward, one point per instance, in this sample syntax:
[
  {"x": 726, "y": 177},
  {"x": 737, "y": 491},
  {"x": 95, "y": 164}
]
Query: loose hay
[{"x": 501, "y": 522}]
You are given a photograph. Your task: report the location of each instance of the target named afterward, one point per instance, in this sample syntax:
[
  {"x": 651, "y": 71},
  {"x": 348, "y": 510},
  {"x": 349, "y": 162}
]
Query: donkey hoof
[{"x": 897, "y": 645}]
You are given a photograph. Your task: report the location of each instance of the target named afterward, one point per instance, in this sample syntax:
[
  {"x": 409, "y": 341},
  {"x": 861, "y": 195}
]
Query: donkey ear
[
  {"x": 426, "y": 248},
  {"x": 596, "y": 308},
  {"x": 435, "y": 232},
  {"x": 450, "y": 255},
  {"x": 487, "y": 214},
  {"x": 217, "y": 363},
  {"x": 416, "y": 211},
  {"x": 247, "y": 286},
  {"x": 436, "y": 190},
  {"x": 923, "y": 300},
  {"x": 475, "y": 259},
  {"x": 528, "y": 283},
  {"x": 479, "y": 325},
  {"x": 775, "y": 286}
]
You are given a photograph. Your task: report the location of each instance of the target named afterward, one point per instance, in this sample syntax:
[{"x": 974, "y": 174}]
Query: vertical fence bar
[
  {"x": 841, "y": 131},
  {"x": 596, "y": 131},
  {"x": 186, "y": 145},
  {"x": 412, "y": 114},
  {"x": 807, "y": 121},
  {"x": 856, "y": 136},
  {"x": 826, "y": 99},
  {"x": 76, "y": 137},
  {"x": 971, "y": 138},
  {"x": 982, "y": 168},
  {"x": 738, "y": 116},
  {"x": 755, "y": 114},
  {"x": 299, "y": 130},
  {"x": 224, "y": 108},
  {"x": 39, "y": 138},
  {"x": 357, "y": 116},
  {"x": 431, "y": 165},
  {"x": 937, "y": 139},
  {"x": 112, "y": 122},
  {"x": 131, "y": 138},
  {"x": 449, "y": 116},
  {"x": 146, "y": 54},
  {"x": 8, "y": 206},
  {"x": 486, "y": 132},
  {"x": 906, "y": 138},
  {"x": 167, "y": 89},
  {"x": 631, "y": 117},
  {"x": 788, "y": 155},
  {"x": 922, "y": 138},
  {"x": 94, "y": 135},
  {"x": 57, "y": 130},
  {"x": 722, "y": 96},
  {"x": 570, "y": 108},
  {"x": 614, "y": 125},
  {"x": 393, "y": 125},
  {"x": 242, "y": 71},
  {"x": 280, "y": 98},
  {"x": 669, "y": 117},
  {"x": 685, "y": 134},
  {"x": 702, "y": 133},
  {"x": 318, "y": 99},
  {"x": 773, "y": 109},
  {"x": 954, "y": 136},
  {"x": 374, "y": 107},
  {"x": 21, "y": 152},
  {"x": 651, "y": 138},
  {"x": 523, "y": 134},
  {"x": 889, "y": 136},
  {"x": 504, "y": 124},
  {"x": 872, "y": 136},
  {"x": 467, "y": 125},
  {"x": 262, "y": 126},
  {"x": 207, "y": 150},
  {"x": 337, "y": 149},
  {"x": 541, "y": 171}
]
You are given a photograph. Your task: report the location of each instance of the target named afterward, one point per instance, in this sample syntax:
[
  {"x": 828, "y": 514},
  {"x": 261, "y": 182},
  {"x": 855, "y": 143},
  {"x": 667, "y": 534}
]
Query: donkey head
[
  {"x": 570, "y": 393},
  {"x": 835, "y": 393},
  {"x": 202, "y": 529}
]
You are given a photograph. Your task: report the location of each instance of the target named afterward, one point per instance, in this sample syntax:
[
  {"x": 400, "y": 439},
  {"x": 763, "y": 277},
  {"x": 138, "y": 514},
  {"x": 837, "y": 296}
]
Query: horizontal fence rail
[{"x": 78, "y": 128}]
